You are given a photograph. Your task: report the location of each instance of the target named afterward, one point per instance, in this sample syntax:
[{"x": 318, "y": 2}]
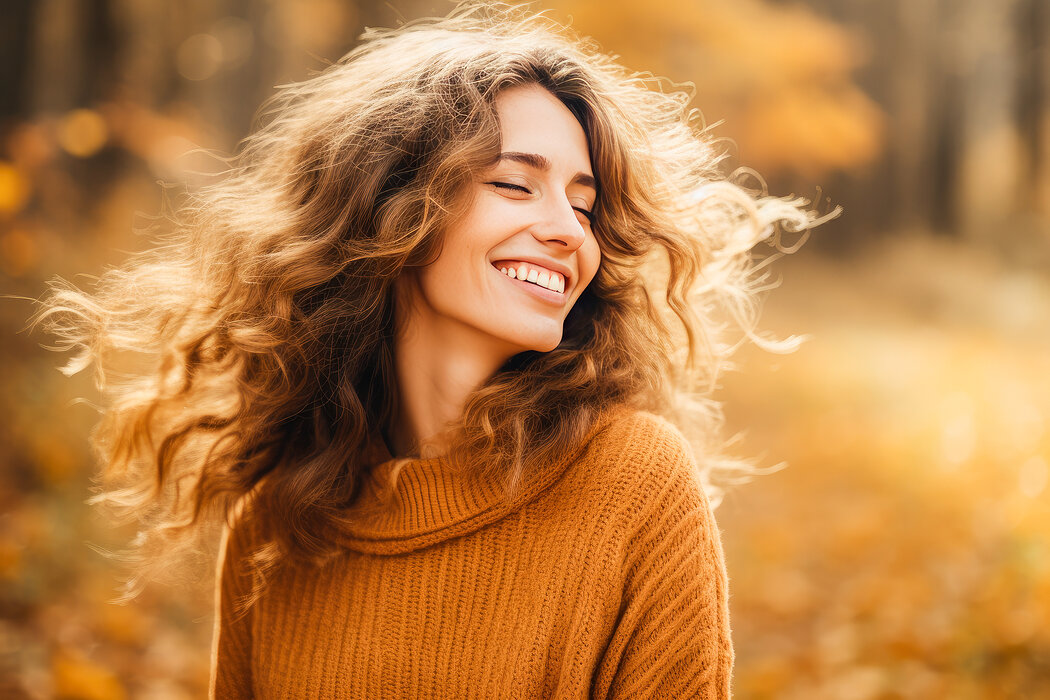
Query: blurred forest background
[{"x": 904, "y": 553}]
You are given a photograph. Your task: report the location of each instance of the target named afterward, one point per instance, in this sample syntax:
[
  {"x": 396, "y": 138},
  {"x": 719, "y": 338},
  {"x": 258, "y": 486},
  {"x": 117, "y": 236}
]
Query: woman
[{"x": 418, "y": 352}]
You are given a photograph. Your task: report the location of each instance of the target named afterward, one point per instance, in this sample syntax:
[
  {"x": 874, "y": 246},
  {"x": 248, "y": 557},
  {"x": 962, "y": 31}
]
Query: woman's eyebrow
[{"x": 539, "y": 162}]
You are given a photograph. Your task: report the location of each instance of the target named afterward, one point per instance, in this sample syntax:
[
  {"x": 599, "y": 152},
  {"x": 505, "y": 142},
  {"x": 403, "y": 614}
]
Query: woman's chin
[
  {"x": 547, "y": 347},
  {"x": 536, "y": 343},
  {"x": 544, "y": 342}
]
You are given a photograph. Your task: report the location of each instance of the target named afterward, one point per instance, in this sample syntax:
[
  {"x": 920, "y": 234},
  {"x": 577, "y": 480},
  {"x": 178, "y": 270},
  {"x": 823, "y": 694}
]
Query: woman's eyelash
[
  {"x": 511, "y": 186},
  {"x": 588, "y": 214}
]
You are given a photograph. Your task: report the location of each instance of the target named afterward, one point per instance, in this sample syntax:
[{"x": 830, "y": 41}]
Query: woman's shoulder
[
  {"x": 644, "y": 443},
  {"x": 660, "y": 502},
  {"x": 644, "y": 455}
]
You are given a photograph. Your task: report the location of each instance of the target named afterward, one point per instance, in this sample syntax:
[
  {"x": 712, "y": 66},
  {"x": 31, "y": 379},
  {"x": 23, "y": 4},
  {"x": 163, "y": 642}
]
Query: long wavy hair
[{"x": 265, "y": 314}]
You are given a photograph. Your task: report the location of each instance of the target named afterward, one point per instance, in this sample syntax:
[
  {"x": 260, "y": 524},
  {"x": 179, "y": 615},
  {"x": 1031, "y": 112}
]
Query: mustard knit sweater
[{"x": 601, "y": 577}]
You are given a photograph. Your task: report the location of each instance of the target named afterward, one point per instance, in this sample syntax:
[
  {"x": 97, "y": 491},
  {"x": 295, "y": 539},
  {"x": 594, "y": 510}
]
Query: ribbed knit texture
[{"x": 602, "y": 577}]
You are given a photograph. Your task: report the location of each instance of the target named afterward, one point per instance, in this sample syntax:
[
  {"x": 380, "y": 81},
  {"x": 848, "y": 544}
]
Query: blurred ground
[{"x": 905, "y": 551}]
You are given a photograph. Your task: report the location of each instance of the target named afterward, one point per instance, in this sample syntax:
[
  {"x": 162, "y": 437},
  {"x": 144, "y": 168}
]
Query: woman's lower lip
[{"x": 542, "y": 293}]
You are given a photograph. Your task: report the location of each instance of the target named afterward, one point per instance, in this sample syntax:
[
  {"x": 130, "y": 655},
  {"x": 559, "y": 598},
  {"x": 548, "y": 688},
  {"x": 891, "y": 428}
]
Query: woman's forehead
[{"x": 535, "y": 122}]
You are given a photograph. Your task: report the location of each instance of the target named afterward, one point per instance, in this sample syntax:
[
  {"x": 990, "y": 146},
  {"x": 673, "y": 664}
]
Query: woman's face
[{"x": 511, "y": 269}]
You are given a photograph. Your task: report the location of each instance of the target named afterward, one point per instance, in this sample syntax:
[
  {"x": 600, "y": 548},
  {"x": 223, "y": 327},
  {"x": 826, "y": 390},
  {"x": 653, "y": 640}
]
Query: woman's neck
[{"x": 439, "y": 364}]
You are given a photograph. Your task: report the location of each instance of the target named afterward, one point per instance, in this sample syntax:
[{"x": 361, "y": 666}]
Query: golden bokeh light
[
  {"x": 199, "y": 57},
  {"x": 82, "y": 132},
  {"x": 14, "y": 189}
]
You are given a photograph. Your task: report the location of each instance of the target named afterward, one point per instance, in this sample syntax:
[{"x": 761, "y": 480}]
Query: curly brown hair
[{"x": 266, "y": 313}]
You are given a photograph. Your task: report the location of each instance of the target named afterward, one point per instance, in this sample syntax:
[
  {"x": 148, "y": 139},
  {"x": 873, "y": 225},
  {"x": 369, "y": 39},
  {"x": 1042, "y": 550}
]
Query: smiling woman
[{"x": 411, "y": 352}]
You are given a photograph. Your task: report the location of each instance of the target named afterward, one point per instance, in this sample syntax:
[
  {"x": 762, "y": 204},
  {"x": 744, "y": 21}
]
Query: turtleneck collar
[{"x": 433, "y": 500}]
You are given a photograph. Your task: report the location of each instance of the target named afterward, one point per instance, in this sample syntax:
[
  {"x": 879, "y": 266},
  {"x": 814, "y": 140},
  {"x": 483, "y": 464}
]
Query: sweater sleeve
[
  {"x": 231, "y": 672},
  {"x": 671, "y": 638}
]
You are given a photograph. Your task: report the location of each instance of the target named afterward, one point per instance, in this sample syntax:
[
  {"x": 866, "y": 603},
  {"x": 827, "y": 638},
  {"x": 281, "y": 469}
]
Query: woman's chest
[{"x": 486, "y": 615}]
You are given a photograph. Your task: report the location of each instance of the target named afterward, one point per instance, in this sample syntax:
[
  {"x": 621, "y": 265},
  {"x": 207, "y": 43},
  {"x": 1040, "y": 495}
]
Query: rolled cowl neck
[{"x": 433, "y": 501}]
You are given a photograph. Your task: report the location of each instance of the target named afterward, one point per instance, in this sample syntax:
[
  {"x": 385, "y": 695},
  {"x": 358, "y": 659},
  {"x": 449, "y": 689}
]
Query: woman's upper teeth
[{"x": 537, "y": 275}]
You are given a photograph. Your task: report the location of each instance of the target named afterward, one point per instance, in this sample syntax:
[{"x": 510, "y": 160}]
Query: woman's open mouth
[{"x": 542, "y": 283}]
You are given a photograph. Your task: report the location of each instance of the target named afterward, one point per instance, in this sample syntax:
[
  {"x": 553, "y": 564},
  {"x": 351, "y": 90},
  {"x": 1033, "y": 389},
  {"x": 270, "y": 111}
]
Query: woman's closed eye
[{"x": 512, "y": 187}]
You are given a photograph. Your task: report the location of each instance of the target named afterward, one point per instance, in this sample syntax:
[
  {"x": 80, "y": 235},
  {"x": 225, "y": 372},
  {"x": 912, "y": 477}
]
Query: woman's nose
[{"x": 561, "y": 225}]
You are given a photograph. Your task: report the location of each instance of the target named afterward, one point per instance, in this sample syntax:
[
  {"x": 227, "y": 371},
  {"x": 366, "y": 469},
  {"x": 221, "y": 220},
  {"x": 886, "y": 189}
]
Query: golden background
[{"x": 905, "y": 550}]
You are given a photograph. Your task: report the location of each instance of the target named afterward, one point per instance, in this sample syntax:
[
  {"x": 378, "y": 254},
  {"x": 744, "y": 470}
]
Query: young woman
[{"x": 429, "y": 350}]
